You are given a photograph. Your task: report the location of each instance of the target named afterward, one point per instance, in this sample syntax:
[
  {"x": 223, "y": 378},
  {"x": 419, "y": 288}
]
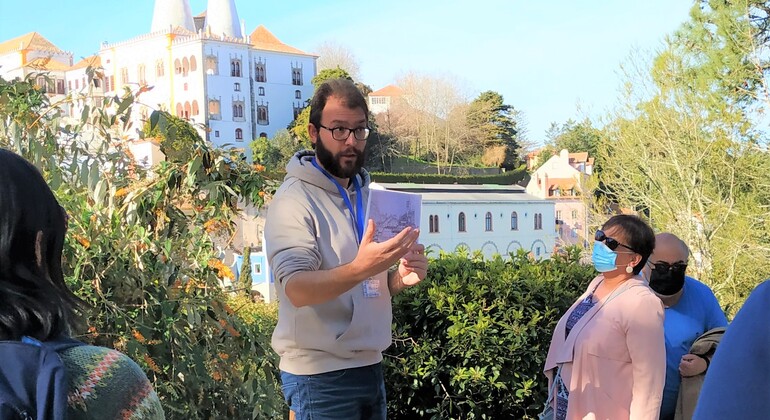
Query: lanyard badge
[{"x": 371, "y": 285}]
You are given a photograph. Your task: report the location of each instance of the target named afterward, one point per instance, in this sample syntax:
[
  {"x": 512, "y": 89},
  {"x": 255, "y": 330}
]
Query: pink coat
[{"x": 614, "y": 361}]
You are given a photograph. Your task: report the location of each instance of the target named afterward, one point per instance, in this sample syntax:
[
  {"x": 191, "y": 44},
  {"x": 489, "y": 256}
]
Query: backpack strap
[{"x": 57, "y": 345}]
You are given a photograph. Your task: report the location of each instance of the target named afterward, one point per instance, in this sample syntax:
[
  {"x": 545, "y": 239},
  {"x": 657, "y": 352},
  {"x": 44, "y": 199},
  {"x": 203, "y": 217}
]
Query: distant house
[
  {"x": 262, "y": 280},
  {"x": 33, "y": 54},
  {"x": 382, "y": 99},
  {"x": 560, "y": 179}
]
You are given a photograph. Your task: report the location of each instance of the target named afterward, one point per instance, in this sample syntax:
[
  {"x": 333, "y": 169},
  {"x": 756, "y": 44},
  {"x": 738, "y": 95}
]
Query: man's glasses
[
  {"x": 611, "y": 243},
  {"x": 663, "y": 266},
  {"x": 343, "y": 133}
]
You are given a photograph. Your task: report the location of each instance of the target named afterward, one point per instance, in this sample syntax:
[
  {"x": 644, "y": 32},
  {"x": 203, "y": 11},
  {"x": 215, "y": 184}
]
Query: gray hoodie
[{"x": 309, "y": 228}]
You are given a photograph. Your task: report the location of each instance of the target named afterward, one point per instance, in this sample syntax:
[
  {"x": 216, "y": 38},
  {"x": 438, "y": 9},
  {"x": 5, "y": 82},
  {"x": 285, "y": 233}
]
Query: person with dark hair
[
  {"x": 607, "y": 358},
  {"x": 38, "y": 308},
  {"x": 334, "y": 282},
  {"x": 691, "y": 310}
]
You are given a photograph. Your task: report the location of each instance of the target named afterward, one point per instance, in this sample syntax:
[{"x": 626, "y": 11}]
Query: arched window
[
  {"x": 185, "y": 66},
  {"x": 263, "y": 134},
  {"x": 297, "y": 94},
  {"x": 177, "y": 66},
  {"x": 433, "y": 221},
  {"x": 235, "y": 68},
  {"x": 488, "y": 222},
  {"x": 238, "y": 134},
  {"x": 195, "y": 107},
  {"x": 514, "y": 221},
  {"x": 187, "y": 110},
  {"x": 159, "y": 70},
  {"x": 538, "y": 221},
  {"x": 262, "y": 115},
  {"x": 261, "y": 91},
  {"x": 461, "y": 222},
  {"x": 212, "y": 65},
  {"x": 179, "y": 110},
  {"x": 214, "y": 112},
  {"x": 259, "y": 72},
  {"x": 193, "y": 63}
]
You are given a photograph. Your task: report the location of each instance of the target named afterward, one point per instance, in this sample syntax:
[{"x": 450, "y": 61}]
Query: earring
[{"x": 629, "y": 269}]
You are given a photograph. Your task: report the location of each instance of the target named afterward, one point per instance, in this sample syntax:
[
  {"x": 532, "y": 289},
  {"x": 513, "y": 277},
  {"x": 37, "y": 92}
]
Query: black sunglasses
[
  {"x": 611, "y": 243},
  {"x": 663, "y": 266}
]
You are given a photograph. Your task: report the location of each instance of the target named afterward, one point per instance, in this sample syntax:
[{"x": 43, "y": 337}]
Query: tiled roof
[
  {"x": 389, "y": 90},
  {"x": 263, "y": 39},
  {"x": 46, "y": 63},
  {"x": 30, "y": 41},
  {"x": 563, "y": 183},
  {"x": 93, "y": 61},
  {"x": 579, "y": 157}
]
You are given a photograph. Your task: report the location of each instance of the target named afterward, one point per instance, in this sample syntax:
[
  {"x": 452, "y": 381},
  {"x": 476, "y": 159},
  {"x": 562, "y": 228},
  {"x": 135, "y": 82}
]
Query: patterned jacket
[{"x": 105, "y": 384}]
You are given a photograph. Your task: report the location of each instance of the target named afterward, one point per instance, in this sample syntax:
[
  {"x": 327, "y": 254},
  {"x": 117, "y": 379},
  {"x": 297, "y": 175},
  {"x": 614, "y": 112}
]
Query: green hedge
[
  {"x": 507, "y": 178},
  {"x": 471, "y": 341}
]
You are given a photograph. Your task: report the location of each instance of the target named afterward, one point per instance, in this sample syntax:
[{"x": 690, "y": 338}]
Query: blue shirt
[
  {"x": 696, "y": 312},
  {"x": 736, "y": 384}
]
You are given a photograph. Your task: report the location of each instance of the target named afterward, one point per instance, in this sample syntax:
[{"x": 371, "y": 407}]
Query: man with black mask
[{"x": 691, "y": 310}]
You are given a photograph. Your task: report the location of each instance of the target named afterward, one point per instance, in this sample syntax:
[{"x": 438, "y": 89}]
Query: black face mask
[{"x": 667, "y": 279}]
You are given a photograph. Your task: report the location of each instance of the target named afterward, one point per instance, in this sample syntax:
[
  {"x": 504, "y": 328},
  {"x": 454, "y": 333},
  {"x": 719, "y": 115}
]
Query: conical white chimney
[
  {"x": 172, "y": 13},
  {"x": 222, "y": 18}
]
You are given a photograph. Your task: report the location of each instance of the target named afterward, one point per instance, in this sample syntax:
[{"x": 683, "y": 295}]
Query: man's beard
[{"x": 331, "y": 162}]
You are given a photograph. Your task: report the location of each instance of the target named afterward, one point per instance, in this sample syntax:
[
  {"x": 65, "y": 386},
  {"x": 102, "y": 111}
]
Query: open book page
[{"x": 392, "y": 211}]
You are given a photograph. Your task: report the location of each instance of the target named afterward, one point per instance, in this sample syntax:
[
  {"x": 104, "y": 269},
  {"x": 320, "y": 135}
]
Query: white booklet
[{"x": 392, "y": 211}]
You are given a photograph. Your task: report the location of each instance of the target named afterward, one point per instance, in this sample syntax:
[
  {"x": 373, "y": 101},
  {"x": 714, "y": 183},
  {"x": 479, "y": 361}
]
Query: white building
[
  {"x": 381, "y": 100},
  {"x": 561, "y": 179},
  {"x": 32, "y": 53},
  {"x": 234, "y": 87},
  {"x": 494, "y": 219}
]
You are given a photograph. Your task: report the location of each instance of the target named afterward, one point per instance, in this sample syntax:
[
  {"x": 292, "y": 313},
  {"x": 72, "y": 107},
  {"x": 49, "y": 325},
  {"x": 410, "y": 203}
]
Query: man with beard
[
  {"x": 691, "y": 310},
  {"x": 334, "y": 283}
]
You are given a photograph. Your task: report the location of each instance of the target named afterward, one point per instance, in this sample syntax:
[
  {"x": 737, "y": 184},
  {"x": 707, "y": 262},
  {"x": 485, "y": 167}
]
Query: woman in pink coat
[{"x": 607, "y": 358}]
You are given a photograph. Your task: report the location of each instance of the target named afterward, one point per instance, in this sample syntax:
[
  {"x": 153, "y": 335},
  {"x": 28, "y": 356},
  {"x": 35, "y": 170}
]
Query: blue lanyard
[{"x": 358, "y": 215}]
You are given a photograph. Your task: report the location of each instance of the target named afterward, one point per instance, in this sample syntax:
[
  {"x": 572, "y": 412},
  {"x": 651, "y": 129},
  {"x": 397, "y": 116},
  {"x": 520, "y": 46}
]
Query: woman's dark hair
[
  {"x": 35, "y": 300},
  {"x": 341, "y": 88},
  {"x": 638, "y": 233}
]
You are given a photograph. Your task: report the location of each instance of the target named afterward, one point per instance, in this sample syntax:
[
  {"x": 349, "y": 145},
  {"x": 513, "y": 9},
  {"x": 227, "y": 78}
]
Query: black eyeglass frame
[
  {"x": 347, "y": 131},
  {"x": 663, "y": 266},
  {"x": 611, "y": 243}
]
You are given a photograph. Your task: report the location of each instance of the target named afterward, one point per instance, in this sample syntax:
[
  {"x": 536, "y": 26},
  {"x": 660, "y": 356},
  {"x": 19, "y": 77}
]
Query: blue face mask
[{"x": 603, "y": 257}]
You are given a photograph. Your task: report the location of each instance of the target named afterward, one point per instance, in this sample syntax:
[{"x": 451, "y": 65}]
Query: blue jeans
[{"x": 357, "y": 393}]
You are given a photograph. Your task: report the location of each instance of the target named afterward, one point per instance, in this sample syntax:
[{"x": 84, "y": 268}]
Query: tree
[
  {"x": 275, "y": 153},
  {"x": 245, "y": 275},
  {"x": 687, "y": 149},
  {"x": 575, "y": 137},
  {"x": 178, "y": 139},
  {"x": 493, "y": 124},
  {"x": 427, "y": 118},
  {"x": 333, "y": 55}
]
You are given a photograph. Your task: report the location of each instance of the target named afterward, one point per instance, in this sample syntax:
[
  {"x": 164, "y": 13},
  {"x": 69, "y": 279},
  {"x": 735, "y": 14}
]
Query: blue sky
[{"x": 547, "y": 58}]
